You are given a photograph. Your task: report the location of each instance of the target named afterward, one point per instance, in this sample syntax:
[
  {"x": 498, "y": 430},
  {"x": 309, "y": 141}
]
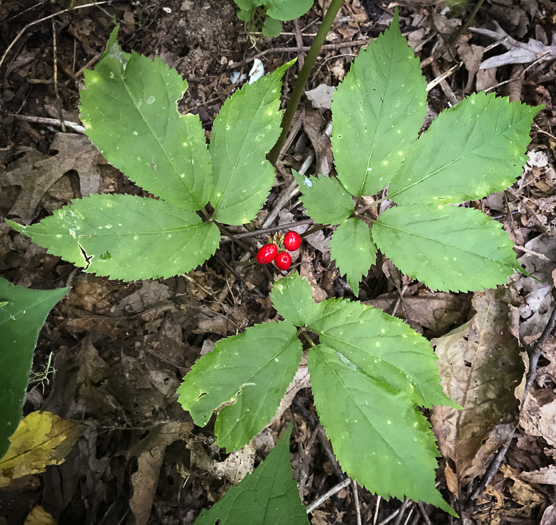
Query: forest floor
[{"x": 119, "y": 350}]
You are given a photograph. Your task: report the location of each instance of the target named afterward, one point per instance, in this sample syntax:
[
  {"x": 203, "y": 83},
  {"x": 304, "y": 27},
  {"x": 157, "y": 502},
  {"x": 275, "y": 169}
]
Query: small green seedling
[
  {"x": 370, "y": 372},
  {"x": 277, "y": 11}
]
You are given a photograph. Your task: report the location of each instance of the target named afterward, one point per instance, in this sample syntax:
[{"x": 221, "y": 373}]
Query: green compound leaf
[
  {"x": 377, "y": 113},
  {"x": 471, "y": 150},
  {"x": 353, "y": 250},
  {"x": 21, "y": 318},
  {"x": 379, "y": 437},
  {"x": 244, "y": 131},
  {"x": 369, "y": 374},
  {"x": 325, "y": 198},
  {"x": 126, "y": 237},
  {"x": 293, "y": 300},
  {"x": 244, "y": 378},
  {"x": 445, "y": 247},
  {"x": 268, "y": 496},
  {"x": 130, "y": 113},
  {"x": 366, "y": 337}
]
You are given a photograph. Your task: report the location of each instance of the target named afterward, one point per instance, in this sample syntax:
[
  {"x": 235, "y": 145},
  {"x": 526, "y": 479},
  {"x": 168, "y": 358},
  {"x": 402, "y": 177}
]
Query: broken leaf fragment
[
  {"x": 41, "y": 439},
  {"x": 22, "y": 315},
  {"x": 267, "y": 496}
]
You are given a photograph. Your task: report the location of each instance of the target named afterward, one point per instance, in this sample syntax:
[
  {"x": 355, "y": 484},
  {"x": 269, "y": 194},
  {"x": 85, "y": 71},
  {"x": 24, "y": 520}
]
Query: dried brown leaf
[
  {"x": 436, "y": 311},
  {"x": 150, "y": 455},
  {"x": 480, "y": 365},
  {"x": 538, "y": 415},
  {"x": 35, "y": 174}
]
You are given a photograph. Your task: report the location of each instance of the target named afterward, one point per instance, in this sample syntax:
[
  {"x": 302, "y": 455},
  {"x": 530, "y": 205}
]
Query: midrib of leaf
[
  {"x": 438, "y": 170},
  {"x": 128, "y": 234},
  {"x": 421, "y": 236},
  {"x": 265, "y": 364},
  {"x": 45, "y": 443},
  {"x": 366, "y": 175},
  {"x": 341, "y": 382},
  {"x": 22, "y": 312},
  {"x": 176, "y": 171},
  {"x": 239, "y": 156},
  {"x": 432, "y": 174},
  {"x": 355, "y": 347},
  {"x": 281, "y": 350},
  {"x": 248, "y": 379},
  {"x": 371, "y": 153}
]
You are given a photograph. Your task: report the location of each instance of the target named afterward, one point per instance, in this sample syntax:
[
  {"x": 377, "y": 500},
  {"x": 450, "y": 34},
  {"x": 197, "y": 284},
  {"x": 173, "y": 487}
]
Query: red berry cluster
[{"x": 282, "y": 260}]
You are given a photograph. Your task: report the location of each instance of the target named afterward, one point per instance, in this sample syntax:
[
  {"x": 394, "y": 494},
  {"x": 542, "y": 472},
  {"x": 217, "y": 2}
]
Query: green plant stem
[
  {"x": 307, "y": 338},
  {"x": 250, "y": 262},
  {"x": 299, "y": 87},
  {"x": 372, "y": 205},
  {"x": 315, "y": 229},
  {"x": 273, "y": 229},
  {"x": 366, "y": 220},
  {"x": 205, "y": 213},
  {"x": 229, "y": 234},
  {"x": 467, "y": 23}
]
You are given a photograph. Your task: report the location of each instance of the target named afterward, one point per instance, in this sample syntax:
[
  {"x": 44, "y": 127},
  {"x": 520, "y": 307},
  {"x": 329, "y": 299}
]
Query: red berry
[
  {"x": 267, "y": 253},
  {"x": 292, "y": 241},
  {"x": 283, "y": 261}
]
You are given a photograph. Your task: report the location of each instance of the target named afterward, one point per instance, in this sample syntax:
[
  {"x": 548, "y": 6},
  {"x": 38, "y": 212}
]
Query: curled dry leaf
[
  {"x": 35, "y": 173},
  {"x": 549, "y": 515},
  {"x": 518, "y": 52},
  {"x": 538, "y": 415},
  {"x": 538, "y": 300},
  {"x": 543, "y": 476},
  {"x": 480, "y": 365}
]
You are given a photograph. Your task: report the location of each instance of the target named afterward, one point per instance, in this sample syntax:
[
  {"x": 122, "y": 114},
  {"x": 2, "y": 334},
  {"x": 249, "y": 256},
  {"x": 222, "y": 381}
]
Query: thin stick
[
  {"x": 239, "y": 277},
  {"x": 20, "y": 34},
  {"x": 325, "y": 47},
  {"x": 391, "y": 517},
  {"x": 273, "y": 229},
  {"x": 55, "y": 62},
  {"x": 299, "y": 87},
  {"x": 423, "y": 513},
  {"x": 405, "y": 505},
  {"x": 299, "y": 42},
  {"x": 356, "y": 501},
  {"x": 78, "y": 128},
  {"x": 319, "y": 501},
  {"x": 234, "y": 238},
  {"x": 377, "y": 508}
]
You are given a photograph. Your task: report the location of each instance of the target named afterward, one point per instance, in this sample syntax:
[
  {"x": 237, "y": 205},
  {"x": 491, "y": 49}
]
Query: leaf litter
[{"x": 119, "y": 348}]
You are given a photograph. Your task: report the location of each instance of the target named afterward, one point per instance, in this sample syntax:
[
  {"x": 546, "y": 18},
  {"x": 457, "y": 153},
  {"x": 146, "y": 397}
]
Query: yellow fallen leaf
[
  {"x": 41, "y": 439},
  {"x": 39, "y": 516}
]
